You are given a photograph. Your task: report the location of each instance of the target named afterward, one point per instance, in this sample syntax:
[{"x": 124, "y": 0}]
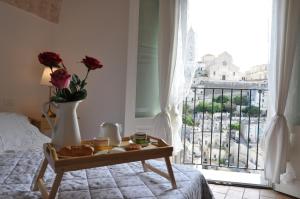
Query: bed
[{"x": 21, "y": 156}]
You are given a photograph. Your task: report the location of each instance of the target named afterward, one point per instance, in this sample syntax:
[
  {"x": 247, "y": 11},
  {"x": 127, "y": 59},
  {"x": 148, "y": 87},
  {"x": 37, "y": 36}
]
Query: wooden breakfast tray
[{"x": 156, "y": 149}]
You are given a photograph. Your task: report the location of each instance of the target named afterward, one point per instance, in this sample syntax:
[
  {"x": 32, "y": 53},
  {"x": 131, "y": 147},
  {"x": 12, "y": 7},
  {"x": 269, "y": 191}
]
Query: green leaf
[
  {"x": 73, "y": 87},
  {"x": 83, "y": 84},
  {"x": 75, "y": 79},
  {"x": 66, "y": 93},
  {"x": 80, "y": 95},
  {"x": 58, "y": 99}
]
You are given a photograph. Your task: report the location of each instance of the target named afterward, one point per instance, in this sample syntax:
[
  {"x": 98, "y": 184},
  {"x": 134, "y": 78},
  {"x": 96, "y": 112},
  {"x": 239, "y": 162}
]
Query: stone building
[
  {"x": 221, "y": 68},
  {"x": 257, "y": 73}
]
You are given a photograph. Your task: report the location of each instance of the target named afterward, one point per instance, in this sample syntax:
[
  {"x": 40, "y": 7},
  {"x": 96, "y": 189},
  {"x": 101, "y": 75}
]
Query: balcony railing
[{"x": 222, "y": 127}]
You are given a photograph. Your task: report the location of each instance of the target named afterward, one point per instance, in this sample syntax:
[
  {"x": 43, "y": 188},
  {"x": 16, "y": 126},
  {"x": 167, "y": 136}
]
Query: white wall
[
  {"x": 99, "y": 29},
  {"x": 22, "y": 37},
  {"x": 91, "y": 27},
  {"x": 295, "y": 151}
]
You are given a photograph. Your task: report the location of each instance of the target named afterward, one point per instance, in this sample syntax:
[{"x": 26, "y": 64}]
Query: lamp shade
[{"x": 45, "y": 80}]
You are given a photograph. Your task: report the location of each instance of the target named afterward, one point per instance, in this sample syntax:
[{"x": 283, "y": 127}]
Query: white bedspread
[
  {"x": 16, "y": 132},
  {"x": 122, "y": 181}
]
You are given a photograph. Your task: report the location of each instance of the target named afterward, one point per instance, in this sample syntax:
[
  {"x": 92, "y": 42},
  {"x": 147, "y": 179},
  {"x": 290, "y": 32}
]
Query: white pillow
[{"x": 16, "y": 133}]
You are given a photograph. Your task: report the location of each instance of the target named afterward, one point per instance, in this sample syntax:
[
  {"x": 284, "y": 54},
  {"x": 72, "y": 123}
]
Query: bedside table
[{"x": 45, "y": 127}]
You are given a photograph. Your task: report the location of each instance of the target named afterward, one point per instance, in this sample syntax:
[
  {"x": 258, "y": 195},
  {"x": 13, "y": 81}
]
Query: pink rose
[
  {"x": 50, "y": 59},
  {"x": 91, "y": 63},
  {"x": 60, "y": 78}
]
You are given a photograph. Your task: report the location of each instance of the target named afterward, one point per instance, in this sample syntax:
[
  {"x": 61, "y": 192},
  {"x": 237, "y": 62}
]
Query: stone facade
[
  {"x": 257, "y": 73},
  {"x": 221, "y": 68}
]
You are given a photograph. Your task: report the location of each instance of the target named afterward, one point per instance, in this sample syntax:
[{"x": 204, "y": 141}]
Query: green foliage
[
  {"x": 188, "y": 120},
  {"x": 207, "y": 107},
  {"x": 219, "y": 99},
  {"x": 235, "y": 126},
  {"x": 244, "y": 101},
  {"x": 253, "y": 111},
  {"x": 75, "y": 91},
  {"x": 227, "y": 107},
  {"x": 187, "y": 109},
  {"x": 222, "y": 161}
]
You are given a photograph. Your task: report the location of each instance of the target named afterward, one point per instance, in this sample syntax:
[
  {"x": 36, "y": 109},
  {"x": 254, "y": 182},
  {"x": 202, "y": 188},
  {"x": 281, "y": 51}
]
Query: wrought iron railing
[{"x": 222, "y": 127}]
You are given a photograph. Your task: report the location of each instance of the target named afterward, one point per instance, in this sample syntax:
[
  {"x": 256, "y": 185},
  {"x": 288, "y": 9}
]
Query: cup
[
  {"x": 140, "y": 138},
  {"x": 101, "y": 143}
]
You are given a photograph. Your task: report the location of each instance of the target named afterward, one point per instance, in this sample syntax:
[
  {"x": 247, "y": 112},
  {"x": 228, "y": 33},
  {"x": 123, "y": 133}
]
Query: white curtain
[
  {"x": 292, "y": 113},
  {"x": 176, "y": 54},
  {"x": 285, "y": 27}
]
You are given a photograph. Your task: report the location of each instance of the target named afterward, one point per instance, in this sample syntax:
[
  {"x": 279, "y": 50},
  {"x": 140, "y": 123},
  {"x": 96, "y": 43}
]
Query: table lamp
[{"x": 45, "y": 80}]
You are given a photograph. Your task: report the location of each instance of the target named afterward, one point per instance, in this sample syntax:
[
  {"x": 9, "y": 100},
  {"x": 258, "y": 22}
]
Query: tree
[
  {"x": 244, "y": 101},
  {"x": 253, "y": 111},
  {"x": 187, "y": 109},
  {"x": 188, "y": 120},
  {"x": 227, "y": 107},
  {"x": 235, "y": 126},
  {"x": 219, "y": 99},
  {"x": 207, "y": 107}
]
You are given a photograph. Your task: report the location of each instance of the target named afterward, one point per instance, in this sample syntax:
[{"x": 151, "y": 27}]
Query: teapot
[{"x": 112, "y": 131}]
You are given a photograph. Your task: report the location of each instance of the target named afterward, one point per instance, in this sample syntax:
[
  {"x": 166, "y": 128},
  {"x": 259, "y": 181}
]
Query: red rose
[
  {"x": 50, "y": 59},
  {"x": 91, "y": 63},
  {"x": 60, "y": 78}
]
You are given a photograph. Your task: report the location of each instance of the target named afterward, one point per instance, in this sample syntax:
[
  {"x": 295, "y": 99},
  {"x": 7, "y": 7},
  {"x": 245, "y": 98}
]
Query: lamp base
[{"x": 50, "y": 113}]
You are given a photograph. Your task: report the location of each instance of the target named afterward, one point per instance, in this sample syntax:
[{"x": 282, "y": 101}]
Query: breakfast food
[
  {"x": 99, "y": 144},
  {"x": 75, "y": 151},
  {"x": 131, "y": 147}
]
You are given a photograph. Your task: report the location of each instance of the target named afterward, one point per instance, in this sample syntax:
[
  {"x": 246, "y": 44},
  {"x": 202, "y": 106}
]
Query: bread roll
[
  {"x": 75, "y": 151},
  {"x": 131, "y": 147}
]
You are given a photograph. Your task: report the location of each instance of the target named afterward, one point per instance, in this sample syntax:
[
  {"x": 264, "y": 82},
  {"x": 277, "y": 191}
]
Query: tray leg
[
  {"x": 170, "y": 171},
  {"x": 55, "y": 185},
  {"x": 41, "y": 174},
  {"x": 144, "y": 166}
]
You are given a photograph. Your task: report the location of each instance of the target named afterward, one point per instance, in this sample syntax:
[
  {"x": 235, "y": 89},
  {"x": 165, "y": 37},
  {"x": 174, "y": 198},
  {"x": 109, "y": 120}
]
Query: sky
[{"x": 240, "y": 27}]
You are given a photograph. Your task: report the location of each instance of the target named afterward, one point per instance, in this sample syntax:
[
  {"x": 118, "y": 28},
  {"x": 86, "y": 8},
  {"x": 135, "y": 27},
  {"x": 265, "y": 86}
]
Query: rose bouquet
[{"x": 68, "y": 88}]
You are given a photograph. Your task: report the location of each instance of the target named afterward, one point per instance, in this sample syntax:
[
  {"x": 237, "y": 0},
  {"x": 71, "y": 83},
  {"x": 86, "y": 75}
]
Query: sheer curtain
[
  {"x": 285, "y": 28},
  {"x": 176, "y": 53},
  {"x": 292, "y": 113}
]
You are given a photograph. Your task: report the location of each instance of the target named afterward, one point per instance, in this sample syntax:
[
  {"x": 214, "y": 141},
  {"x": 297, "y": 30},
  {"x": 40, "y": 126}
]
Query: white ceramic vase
[{"x": 65, "y": 131}]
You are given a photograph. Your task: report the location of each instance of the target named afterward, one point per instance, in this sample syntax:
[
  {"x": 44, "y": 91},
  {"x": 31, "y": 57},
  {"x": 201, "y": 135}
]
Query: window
[
  {"x": 214, "y": 72},
  {"x": 147, "y": 103},
  {"x": 233, "y": 73},
  {"x": 223, "y": 77}
]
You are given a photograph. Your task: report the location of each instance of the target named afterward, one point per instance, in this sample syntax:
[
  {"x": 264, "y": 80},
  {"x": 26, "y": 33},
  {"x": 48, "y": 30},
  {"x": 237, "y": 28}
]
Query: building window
[
  {"x": 223, "y": 77},
  {"x": 233, "y": 73},
  {"x": 224, "y": 63},
  {"x": 214, "y": 72}
]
